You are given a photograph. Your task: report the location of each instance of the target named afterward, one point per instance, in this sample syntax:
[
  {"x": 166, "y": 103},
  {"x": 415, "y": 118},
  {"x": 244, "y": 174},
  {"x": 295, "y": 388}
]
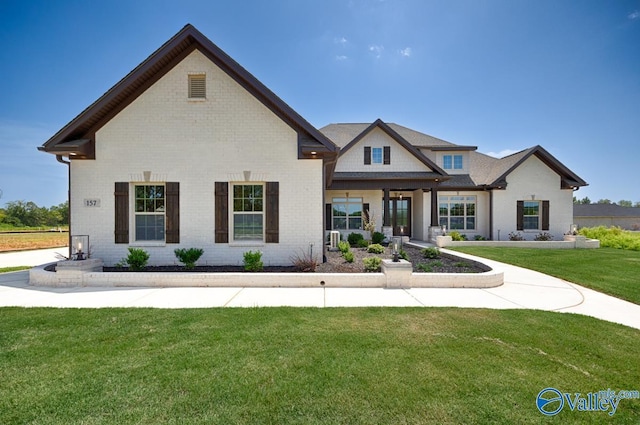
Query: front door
[{"x": 400, "y": 212}]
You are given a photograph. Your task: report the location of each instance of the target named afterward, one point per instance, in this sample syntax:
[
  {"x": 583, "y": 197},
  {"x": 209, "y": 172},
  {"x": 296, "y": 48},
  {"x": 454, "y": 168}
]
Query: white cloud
[
  {"x": 502, "y": 153},
  {"x": 340, "y": 40},
  {"x": 406, "y": 52},
  {"x": 376, "y": 50},
  {"x": 634, "y": 15},
  {"x": 341, "y": 58}
]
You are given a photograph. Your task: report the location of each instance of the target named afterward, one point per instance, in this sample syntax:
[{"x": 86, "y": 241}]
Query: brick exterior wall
[{"x": 196, "y": 143}]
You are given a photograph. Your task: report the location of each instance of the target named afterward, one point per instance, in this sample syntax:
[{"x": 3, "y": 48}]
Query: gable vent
[{"x": 197, "y": 86}]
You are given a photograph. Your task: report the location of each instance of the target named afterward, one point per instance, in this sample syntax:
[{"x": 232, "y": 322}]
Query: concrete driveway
[{"x": 523, "y": 288}]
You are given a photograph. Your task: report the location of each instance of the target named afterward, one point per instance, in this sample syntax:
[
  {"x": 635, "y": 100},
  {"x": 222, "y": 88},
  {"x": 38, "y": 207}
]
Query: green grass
[
  {"x": 307, "y": 366},
  {"x": 612, "y": 271},
  {"x": 13, "y": 269}
]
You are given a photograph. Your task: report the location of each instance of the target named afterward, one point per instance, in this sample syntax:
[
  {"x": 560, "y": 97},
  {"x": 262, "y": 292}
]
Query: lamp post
[
  {"x": 396, "y": 247},
  {"x": 79, "y": 247}
]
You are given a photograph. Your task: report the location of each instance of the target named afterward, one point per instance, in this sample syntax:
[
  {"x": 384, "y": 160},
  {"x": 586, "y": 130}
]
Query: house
[
  {"x": 591, "y": 215},
  {"x": 415, "y": 185},
  {"x": 191, "y": 150}
]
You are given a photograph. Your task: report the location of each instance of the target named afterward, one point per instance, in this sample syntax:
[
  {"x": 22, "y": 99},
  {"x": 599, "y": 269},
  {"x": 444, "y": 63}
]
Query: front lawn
[
  {"x": 612, "y": 271},
  {"x": 307, "y": 366}
]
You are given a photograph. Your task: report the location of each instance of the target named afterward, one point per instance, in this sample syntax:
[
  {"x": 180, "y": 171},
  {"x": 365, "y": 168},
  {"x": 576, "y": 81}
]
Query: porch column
[
  {"x": 386, "y": 214},
  {"x": 434, "y": 208},
  {"x": 387, "y": 230}
]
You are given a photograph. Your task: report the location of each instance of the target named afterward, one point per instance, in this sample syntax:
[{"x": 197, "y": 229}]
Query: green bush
[
  {"x": 613, "y": 237},
  {"x": 363, "y": 243},
  {"x": 424, "y": 267},
  {"x": 137, "y": 258},
  {"x": 403, "y": 254},
  {"x": 430, "y": 252},
  {"x": 344, "y": 246},
  {"x": 188, "y": 257},
  {"x": 479, "y": 238},
  {"x": 457, "y": 236},
  {"x": 372, "y": 264},
  {"x": 355, "y": 238},
  {"x": 375, "y": 249},
  {"x": 377, "y": 238},
  {"x": 516, "y": 236},
  {"x": 253, "y": 261},
  {"x": 348, "y": 256}
]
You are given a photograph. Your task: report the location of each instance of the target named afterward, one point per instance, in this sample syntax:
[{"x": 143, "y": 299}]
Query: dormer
[{"x": 453, "y": 159}]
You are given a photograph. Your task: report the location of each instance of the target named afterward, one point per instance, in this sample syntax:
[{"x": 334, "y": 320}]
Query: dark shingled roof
[{"x": 604, "y": 210}]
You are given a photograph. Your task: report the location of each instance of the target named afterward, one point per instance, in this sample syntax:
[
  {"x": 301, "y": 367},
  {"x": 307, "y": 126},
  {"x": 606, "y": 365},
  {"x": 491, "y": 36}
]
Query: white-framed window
[
  {"x": 248, "y": 212},
  {"x": 531, "y": 215},
  {"x": 197, "y": 86},
  {"x": 457, "y": 212},
  {"x": 347, "y": 213},
  {"x": 376, "y": 155},
  {"x": 452, "y": 162},
  {"x": 149, "y": 212}
]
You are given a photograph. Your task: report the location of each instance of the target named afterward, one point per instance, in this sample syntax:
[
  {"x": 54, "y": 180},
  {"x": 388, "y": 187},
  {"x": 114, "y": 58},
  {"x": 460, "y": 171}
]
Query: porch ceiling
[{"x": 395, "y": 180}]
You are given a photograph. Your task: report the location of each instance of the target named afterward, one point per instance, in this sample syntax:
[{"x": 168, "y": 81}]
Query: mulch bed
[{"x": 336, "y": 264}]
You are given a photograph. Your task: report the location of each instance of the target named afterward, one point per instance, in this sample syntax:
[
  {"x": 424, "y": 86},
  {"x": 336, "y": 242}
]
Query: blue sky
[{"x": 502, "y": 75}]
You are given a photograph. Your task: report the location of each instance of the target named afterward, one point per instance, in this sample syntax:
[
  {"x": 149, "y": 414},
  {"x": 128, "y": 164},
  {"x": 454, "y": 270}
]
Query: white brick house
[{"x": 190, "y": 150}]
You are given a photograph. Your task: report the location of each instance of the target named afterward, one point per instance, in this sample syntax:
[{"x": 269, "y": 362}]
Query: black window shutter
[
  {"x": 387, "y": 155},
  {"x": 545, "y": 215},
  {"x": 367, "y": 155},
  {"x": 520, "y": 216},
  {"x": 222, "y": 212},
  {"x": 272, "y": 218},
  {"x": 327, "y": 217},
  {"x": 172, "y": 199},
  {"x": 121, "y": 212}
]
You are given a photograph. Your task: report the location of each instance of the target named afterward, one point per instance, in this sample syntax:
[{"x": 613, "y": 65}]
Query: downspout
[{"x": 61, "y": 160}]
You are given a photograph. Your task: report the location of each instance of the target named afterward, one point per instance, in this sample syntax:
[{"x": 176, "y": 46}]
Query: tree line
[
  {"x": 622, "y": 202},
  {"x": 28, "y": 214}
]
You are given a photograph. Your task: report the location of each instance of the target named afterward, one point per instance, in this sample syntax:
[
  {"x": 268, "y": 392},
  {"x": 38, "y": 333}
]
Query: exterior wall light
[
  {"x": 396, "y": 247},
  {"x": 79, "y": 247}
]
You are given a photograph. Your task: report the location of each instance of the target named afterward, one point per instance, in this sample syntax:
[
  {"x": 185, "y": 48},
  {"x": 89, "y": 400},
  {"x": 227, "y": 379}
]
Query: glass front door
[{"x": 400, "y": 216}]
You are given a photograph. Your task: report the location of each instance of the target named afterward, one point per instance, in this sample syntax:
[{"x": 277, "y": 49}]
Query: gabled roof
[
  {"x": 311, "y": 142},
  {"x": 348, "y": 135},
  {"x": 500, "y": 168}
]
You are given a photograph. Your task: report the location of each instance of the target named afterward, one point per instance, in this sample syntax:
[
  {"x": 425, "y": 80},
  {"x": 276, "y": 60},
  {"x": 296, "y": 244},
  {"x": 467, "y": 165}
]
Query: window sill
[
  {"x": 247, "y": 243},
  {"x": 148, "y": 244}
]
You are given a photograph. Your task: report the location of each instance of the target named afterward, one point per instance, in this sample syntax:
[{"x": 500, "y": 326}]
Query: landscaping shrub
[
  {"x": 375, "y": 249},
  {"x": 479, "y": 238},
  {"x": 354, "y": 238},
  {"x": 613, "y": 237},
  {"x": 403, "y": 254},
  {"x": 188, "y": 257},
  {"x": 457, "y": 236},
  {"x": 516, "y": 236},
  {"x": 377, "y": 237},
  {"x": 424, "y": 267},
  {"x": 430, "y": 252},
  {"x": 372, "y": 264},
  {"x": 137, "y": 258},
  {"x": 348, "y": 256},
  {"x": 363, "y": 243},
  {"x": 344, "y": 247},
  {"x": 304, "y": 262},
  {"x": 543, "y": 236},
  {"x": 253, "y": 261}
]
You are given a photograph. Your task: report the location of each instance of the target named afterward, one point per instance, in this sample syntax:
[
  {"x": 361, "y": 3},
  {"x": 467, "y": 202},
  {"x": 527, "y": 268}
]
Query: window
[
  {"x": 458, "y": 212},
  {"x": 197, "y": 86},
  {"x": 531, "y": 215},
  {"x": 347, "y": 213},
  {"x": 452, "y": 162},
  {"x": 149, "y": 209},
  {"x": 248, "y": 212},
  {"x": 376, "y": 155}
]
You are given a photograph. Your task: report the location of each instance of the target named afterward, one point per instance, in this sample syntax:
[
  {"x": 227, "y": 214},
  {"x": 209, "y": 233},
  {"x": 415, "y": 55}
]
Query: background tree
[
  {"x": 584, "y": 201},
  {"x": 625, "y": 203},
  {"x": 604, "y": 201}
]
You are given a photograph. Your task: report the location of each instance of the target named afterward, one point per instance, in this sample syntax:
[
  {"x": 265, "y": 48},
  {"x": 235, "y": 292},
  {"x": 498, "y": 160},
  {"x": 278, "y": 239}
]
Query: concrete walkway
[{"x": 523, "y": 288}]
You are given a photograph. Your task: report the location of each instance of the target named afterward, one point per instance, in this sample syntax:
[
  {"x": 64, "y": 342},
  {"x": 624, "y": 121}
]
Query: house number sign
[{"x": 92, "y": 202}]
